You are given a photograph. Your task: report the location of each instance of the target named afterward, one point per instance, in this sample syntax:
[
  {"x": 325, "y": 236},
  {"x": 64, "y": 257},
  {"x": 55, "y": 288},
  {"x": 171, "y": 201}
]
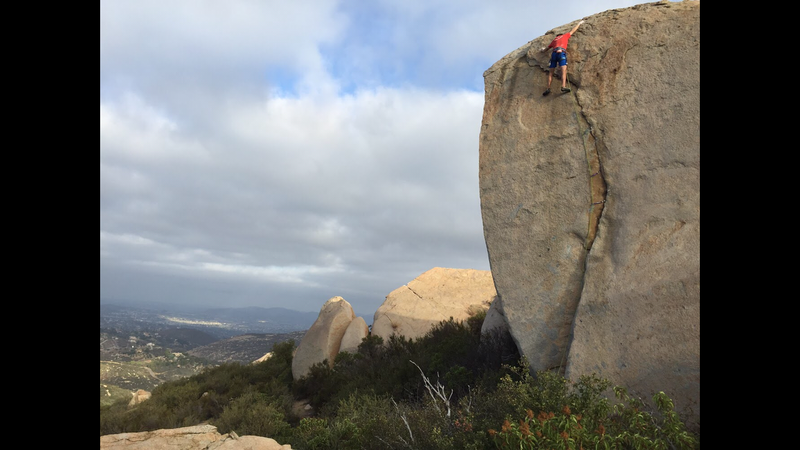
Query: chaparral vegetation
[{"x": 454, "y": 388}]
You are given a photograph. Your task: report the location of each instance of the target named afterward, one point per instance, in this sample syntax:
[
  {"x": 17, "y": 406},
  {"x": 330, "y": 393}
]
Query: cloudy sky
[{"x": 278, "y": 153}]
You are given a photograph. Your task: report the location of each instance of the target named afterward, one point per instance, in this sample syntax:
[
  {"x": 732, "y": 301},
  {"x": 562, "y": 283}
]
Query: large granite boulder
[
  {"x": 436, "y": 295},
  {"x": 353, "y": 335},
  {"x": 199, "y": 437},
  {"x": 322, "y": 341},
  {"x": 591, "y": 200}
]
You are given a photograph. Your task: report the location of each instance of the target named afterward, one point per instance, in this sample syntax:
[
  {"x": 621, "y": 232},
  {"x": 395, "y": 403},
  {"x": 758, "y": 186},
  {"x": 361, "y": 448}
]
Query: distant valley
[{"x": 141, "y": 347}]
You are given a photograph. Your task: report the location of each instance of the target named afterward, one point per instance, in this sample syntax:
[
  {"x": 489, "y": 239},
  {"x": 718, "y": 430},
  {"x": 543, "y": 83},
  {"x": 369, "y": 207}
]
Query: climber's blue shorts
[{"x": 558, "y": 58}]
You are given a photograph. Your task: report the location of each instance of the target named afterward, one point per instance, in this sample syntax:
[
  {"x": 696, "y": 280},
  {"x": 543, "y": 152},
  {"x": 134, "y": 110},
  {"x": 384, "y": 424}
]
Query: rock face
[
  {"x": 200, "y": 437},
  {"x": 353, "y": 335},
  {"x": 591, "y": 200},
  {"x": 495, "y": 317},
  {"x": 323, "y": 339},
  {"x": 436, "y": 295}
]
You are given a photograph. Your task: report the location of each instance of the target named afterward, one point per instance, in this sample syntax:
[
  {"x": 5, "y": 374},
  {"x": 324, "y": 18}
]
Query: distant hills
[
  {"x": 281, "y": 318},
  {"x": 245, "y": 348},
  {"x": 220, "y": 322},
  {"x": 142, "y": 346}
]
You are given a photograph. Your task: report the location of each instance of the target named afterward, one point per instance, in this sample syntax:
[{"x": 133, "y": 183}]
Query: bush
[
  {"x": 321, "y": 434},
  {"x": 451, "y": 389},
  {"x": 320, "y": 385},
  {"x": 375, "y": 422},
  {"x": 451, "y": 351},
  {"x": 190, "y": 401},
  {"x": 585, "y": 419},
  {"x": 254, "y": 414},
  {"x": 373, "y": 416},
  {"x": 112, "y": 417}
]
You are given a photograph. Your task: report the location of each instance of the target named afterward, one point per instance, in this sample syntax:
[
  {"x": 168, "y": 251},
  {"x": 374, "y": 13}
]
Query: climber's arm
[{"x": 576, "y": 27}]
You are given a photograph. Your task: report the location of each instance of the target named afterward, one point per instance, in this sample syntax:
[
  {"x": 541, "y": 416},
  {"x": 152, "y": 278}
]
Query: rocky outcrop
[
  {"x": 495, "y": 317},
  {"x": 322, "y": 341},
  {"x": 353, "y": 335},
  {"x": 200, "y": 437},
  {"x": 591, "y": 200},
  {"x": 139, "y": 396},
  {"x": 266, "y": 356},
  {"x": 411, "y": 311},
  {"x": 436, "y": 295}
]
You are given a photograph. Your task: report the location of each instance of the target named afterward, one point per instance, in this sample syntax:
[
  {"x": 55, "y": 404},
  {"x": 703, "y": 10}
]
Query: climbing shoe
[
  {"x": 565, "y": 89},
  {"x": 546, "y": 92}
]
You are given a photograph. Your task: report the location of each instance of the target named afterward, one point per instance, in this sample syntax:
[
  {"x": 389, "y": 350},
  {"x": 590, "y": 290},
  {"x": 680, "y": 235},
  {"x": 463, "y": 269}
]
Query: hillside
[
  {"x": 245, "y": 348},
  {"x": 141, "y": 348}
]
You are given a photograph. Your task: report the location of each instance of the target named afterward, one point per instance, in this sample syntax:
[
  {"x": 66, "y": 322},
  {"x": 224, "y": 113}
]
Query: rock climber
[{"x": 559, "y": 58}]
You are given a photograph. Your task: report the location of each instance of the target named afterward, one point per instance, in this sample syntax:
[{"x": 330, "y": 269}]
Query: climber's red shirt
[{"x": 560, "y": 41}]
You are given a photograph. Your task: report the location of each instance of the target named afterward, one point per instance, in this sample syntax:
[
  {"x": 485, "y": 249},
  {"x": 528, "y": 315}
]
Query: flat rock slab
[{"x": 199, "y": 437}]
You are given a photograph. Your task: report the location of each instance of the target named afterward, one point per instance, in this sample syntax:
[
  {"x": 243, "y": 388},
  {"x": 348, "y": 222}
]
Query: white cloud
[
  {"x": 256, "y": 152},
  {"x": 303, "y": 179}
]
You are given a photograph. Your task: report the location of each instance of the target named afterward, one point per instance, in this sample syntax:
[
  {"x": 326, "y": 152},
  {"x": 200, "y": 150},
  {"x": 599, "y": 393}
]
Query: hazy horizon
[{"x": 182, "y": 306}]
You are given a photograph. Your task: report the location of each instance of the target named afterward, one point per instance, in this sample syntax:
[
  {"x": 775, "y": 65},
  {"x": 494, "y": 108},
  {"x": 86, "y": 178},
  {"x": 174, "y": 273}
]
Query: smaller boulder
[
  {"x": 495, "y": 317},
  {"x": 355, "y": 333},
  {"x": 138, "y": 397},
  {"x": 263, "y": 358}
]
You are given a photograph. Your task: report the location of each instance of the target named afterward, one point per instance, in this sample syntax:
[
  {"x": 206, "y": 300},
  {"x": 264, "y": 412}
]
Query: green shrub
[
  {"x": 320, "y": 384},
  {"x": 375, "y": 422},
  {"x": 371, "y": 348},
  {"x": 450, "y": 389},
  {"x": 113, "y": 419},
  {"x": 451, "y": 351},
  {"x": 624, "y": 426},
  {"x": 475, "y": 322},
  {"x": 321, "y": 434},
  {"x": 373, "y": 416},
  {"x": 311, "y": 434},
  {"x": 190, "y": 401},
  {"x": 254, "y": 414}
]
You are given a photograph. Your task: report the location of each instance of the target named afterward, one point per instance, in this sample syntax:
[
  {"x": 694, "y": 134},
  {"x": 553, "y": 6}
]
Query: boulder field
[{"x": 410, "y": 310}]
